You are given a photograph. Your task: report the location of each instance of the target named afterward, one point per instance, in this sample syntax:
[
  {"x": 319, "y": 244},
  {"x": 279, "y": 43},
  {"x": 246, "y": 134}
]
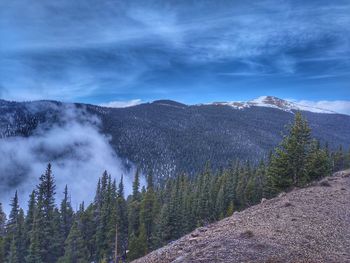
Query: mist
[{"x": 74, "y": 146}]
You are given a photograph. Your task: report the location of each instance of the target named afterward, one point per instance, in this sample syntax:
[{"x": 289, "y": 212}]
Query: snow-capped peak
[{"x": 273, "y": 102}]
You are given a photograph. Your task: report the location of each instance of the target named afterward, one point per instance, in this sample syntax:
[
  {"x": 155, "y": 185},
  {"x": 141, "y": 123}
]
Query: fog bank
[{"x": 77, "y": 150}]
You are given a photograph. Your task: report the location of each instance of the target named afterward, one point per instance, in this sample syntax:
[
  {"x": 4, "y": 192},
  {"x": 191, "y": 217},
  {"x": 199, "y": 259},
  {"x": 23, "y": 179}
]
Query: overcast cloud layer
[{"x": 192, "y": 51}]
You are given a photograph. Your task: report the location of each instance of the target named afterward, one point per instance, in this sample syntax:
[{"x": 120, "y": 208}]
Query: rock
[
  {"x": 282, "y": 194},
  {"x": 194, "y": 234}
]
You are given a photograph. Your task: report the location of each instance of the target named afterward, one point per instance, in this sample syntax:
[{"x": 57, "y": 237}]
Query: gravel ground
[{"x": 306, "y": 225}]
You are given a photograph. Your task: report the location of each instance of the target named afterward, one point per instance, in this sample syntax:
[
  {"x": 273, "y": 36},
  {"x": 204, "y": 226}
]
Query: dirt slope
[{"x": 305, "y": 225}]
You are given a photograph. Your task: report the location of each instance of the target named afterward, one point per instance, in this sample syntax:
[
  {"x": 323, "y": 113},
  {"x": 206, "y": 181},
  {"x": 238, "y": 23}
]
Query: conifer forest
[{"x": 119, "y": 228}]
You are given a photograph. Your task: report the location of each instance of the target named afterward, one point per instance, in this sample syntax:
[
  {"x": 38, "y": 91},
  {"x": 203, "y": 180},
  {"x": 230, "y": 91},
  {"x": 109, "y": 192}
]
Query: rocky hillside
[{"x": 305, "y": 225}]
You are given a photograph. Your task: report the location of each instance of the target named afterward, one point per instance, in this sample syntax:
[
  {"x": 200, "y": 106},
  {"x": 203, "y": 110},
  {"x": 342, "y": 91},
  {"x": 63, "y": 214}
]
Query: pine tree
[
  {"x": 57, "y": 246},
  {"x": 29, "y": 220},
  {"x": 339, "y": 159},
  {"x": 220, "y": 202},
  {"x": 288, "y": 164},
  {"x": 242, "y": 180},
  {"x": 122, "y": 220},
  {"x": 102, "y": 218},
  {"x": 45, "y": 216},
  {"x": 2, "y": 234},
  {"x": 12, "y": 224},
  {"x": 134, "y": 207},
  {"x": 203, "y": 205},
  {"x": 138, "y": 245},
  {"x": 87, "y": 218},
  {"x": 12, "y": 232},
  {"x": 148, "y": 211},
  {"x": 347, "y": 163},
  {"x": 34, "y": 255},
  {"x": 75, "y": 249},
  {"x": 111, "y": 218},
  {"x": 318, "y": 163},
  {"x": 20, "y": 237},
  {"x": 2, "y": 221},
  {"x": 66, "y": 214},
  {"x": 15, "y": 233},
  {"x": 13, "y": 256}
]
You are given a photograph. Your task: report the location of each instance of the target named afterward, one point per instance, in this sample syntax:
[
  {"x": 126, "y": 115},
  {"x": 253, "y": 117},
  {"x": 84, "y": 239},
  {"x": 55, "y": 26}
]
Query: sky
[{"x": 121, "y": 53}]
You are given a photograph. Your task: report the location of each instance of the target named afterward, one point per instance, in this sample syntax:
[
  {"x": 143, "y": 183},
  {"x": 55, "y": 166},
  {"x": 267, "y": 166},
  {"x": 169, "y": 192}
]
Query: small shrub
[
  {"x": 247, "y": 234},
  {"x": 287, "y": 204},
  {"x": 325, "y": 183}
]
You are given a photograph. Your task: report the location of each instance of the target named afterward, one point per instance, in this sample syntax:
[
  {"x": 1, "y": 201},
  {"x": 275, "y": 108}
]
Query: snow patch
[{"x": 272, "y": 102}]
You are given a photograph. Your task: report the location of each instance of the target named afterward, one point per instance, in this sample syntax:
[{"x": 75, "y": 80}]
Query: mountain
[
  {"x": 305, "y": 225},
  {"x": 170, "y": 137},
  {"x": 273, "y": 102}
]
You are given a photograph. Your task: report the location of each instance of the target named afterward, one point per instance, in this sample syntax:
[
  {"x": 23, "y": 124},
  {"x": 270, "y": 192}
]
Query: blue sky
[{"x": 191, "y": 51}]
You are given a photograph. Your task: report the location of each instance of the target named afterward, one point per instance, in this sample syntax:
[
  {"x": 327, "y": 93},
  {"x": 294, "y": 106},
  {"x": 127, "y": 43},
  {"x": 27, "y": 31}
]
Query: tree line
[{"x": 114, "y": 228}]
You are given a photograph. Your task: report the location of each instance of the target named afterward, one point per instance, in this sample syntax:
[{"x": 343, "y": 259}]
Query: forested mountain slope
[
  {"x": 169, "y": 137},
  {"x": 305, "y": 225}
]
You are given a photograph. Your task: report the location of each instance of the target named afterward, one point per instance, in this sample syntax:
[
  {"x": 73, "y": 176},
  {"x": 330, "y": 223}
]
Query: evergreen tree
[
  {"x": 148, "y": 211},
  {"x": 45, "y": 216},
  {"x": 29, "y": 220},
  {"x": 220, "y": 202},
  {"x": 2, "y": 221},
  {"x": 2, "y": 234},
  {"x": 12, "y": 224},
  {"x": 347, "y": 163},
  {"x": 134, "y": 207},
  {"x": 243, "y": 174},
  {"x": 338, "y": 159},
  {"x": 288, "y": 164},
  {"x": 21, "y": 237},
  {"x": 138, "y": 244},
  {"x": 102, "y": 218},
  {"x": 34, "y": 255},
  {"x": 88, "y": 228},
  {"x": 12, "y": 241},
  {"x": 66, "y": 214},
  {"x": 57, "y": 246},
  {"x": 13, "y": 256},
  {"x": 75, "y": 249},
  {"x": 203, "y": 198},
  {"x": 112, "y": 217},
  {"x": 318, "y": 163},
  {"x": 122, "y": 220}
]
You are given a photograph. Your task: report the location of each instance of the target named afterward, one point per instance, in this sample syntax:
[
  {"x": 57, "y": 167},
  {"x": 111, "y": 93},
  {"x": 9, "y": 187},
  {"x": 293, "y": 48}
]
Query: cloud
[
  {"x": 83, "y": 50},
  {"x": 339, "y": 106},
  {"x": 78, "y": 152},
  {"x": 121, "y": 104}
]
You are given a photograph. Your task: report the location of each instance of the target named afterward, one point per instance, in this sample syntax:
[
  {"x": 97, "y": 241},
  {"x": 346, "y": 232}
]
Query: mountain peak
[{"x": 273, "y": 102}]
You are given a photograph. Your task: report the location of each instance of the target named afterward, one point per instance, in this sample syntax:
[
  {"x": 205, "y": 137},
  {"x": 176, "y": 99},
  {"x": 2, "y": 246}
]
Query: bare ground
[{"x": 306, "y": 225}]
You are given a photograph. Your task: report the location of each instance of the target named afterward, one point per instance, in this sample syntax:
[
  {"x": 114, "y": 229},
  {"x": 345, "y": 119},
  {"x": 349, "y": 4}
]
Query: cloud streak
[
  {"x": 121, "y": 104},
  {"x": 339, "y": 106}
]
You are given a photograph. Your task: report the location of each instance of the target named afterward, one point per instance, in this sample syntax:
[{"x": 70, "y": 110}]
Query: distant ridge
[
  {"x": 169, "y": 103},
  {"x": 169, "y": 137}
]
